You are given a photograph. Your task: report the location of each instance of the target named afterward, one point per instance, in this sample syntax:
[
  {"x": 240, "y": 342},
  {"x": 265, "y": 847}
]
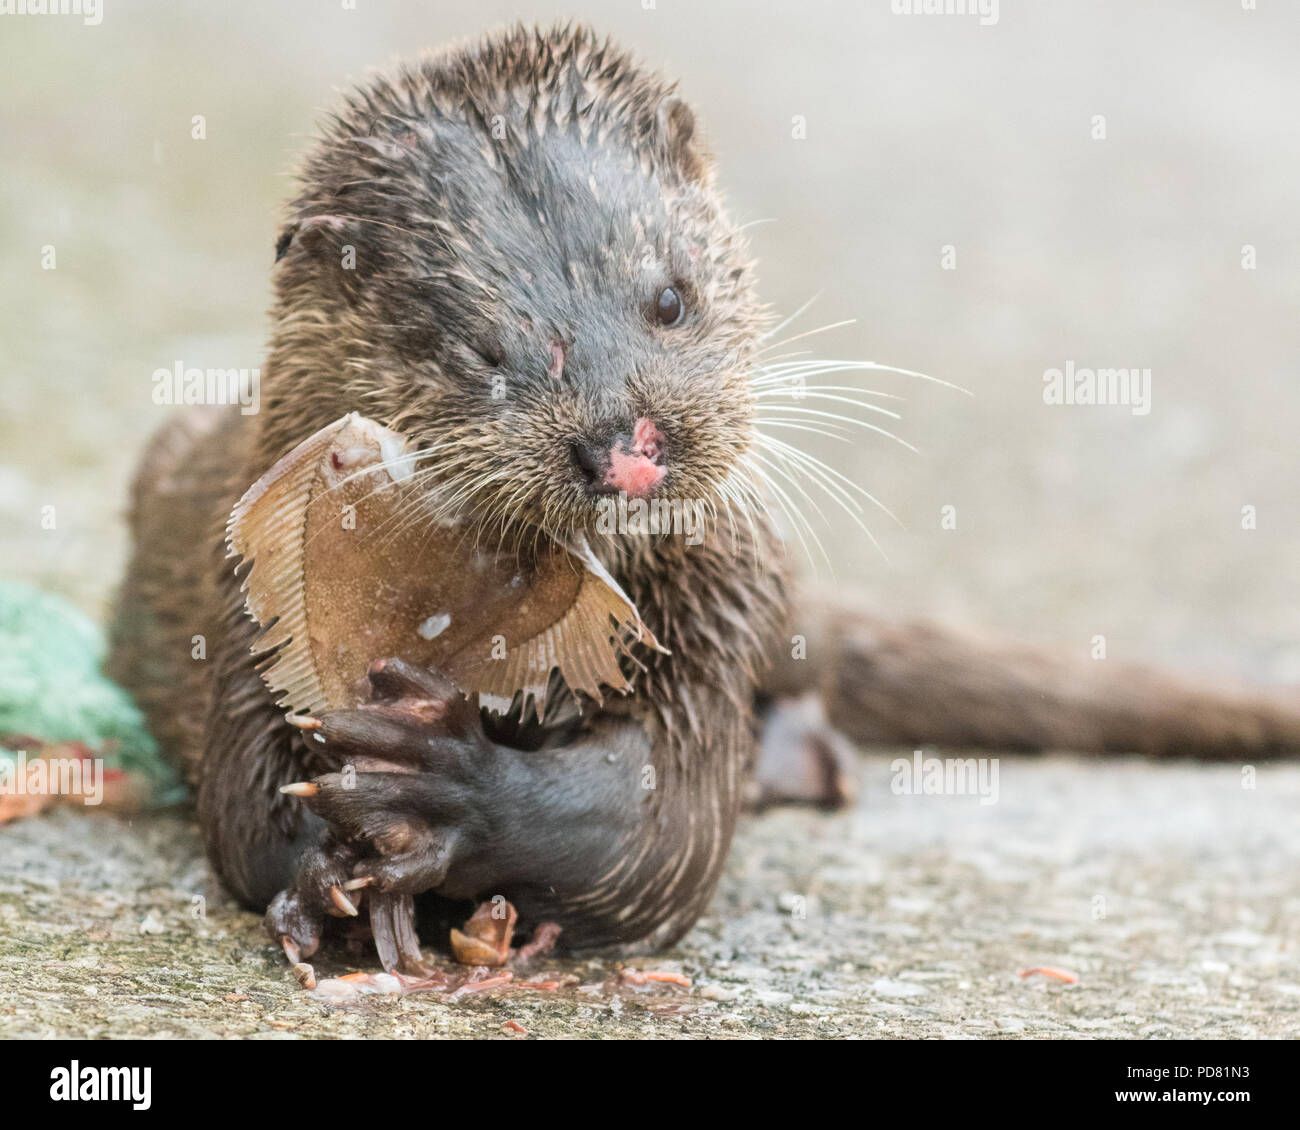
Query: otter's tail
[{"x": 888, "y": 683}]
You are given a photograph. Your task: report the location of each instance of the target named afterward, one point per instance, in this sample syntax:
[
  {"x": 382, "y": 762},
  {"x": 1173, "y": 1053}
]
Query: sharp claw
[
  {"x": 291, "y": 950},
  {"x": 305, "y": 974},
  {"x": 301, "y": 788},
  {"x": 357, "y": 884},
  {"x": 392, "y": 922},
  {"x": 343, "y": 902},
  {"x": 303, "y": 721}
]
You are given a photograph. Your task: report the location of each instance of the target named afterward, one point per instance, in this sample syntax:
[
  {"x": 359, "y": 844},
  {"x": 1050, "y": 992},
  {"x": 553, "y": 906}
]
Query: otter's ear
[
  {"x": 329, "y": 249},
  {"x": 316, "y": 233},
  {"x": 681, "y": 139},
  {"x": 285, "y": 239}
]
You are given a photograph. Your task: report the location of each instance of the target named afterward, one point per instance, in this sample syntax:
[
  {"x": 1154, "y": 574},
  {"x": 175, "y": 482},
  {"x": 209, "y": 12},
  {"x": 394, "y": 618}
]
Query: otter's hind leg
[{"x": 802, "y": 758}]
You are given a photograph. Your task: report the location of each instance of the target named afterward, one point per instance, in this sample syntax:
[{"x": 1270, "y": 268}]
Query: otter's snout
[{"x": 629, "y": 463}]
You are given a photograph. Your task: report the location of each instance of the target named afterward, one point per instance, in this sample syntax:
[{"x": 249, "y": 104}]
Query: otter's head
[{"x": 516, "y": 254}]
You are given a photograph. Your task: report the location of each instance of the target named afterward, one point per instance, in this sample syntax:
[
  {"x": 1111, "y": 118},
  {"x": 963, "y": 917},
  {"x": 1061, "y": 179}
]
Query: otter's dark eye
[{"x": 669, "y": 307}]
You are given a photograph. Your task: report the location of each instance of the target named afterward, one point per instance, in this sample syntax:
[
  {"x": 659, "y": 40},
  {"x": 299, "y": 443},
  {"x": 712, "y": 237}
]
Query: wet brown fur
[
  {"x": 344, "y": 340},
  {"x": 411, "y": 176}
]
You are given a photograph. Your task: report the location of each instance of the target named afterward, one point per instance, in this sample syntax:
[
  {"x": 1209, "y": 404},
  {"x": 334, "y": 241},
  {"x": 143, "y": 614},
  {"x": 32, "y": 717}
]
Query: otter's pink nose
[{"x": 634, "y": 464}]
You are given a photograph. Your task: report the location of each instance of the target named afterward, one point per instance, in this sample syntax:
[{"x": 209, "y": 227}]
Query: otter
[{"x": 517, "y": 254}]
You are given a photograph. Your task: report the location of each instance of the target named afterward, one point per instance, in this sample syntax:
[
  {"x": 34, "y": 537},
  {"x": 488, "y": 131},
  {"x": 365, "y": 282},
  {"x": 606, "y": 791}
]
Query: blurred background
[{"x": 921, "y": 132}]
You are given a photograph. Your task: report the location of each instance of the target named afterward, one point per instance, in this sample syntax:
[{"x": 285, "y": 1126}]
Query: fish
[{"x": 351, "y": 558}]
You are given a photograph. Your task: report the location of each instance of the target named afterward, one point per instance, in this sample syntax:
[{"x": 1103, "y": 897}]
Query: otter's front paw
[
  {"x": 322, "y": 889},
  {"x": 403, "y": 796}
]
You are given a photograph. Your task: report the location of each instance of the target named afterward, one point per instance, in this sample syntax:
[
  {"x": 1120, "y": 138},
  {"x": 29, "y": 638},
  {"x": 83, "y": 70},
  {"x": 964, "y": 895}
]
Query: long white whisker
[
  {"x": 767, "y": 371},
  {"x": 782, "y": 468},
  {"x": 783, "y": 386},
  {"x": 796, "y": 485},
  {"x": 778, "y": 422},
  {"x": 847, "y": 504},
  {"x": 806, "y": 333},
  {"x": 797, "y": 314},
  {"x": 796, "y": 518},
  {"x": 848, "y": 420},
  {"x": 801, "y": 394},
  {"x": 815, "y": 465}
]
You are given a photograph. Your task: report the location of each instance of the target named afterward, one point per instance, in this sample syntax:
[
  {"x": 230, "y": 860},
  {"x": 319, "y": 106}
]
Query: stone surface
[
  {"x": 1170, "y": 891},
  {"x": 921, "y": 133}
]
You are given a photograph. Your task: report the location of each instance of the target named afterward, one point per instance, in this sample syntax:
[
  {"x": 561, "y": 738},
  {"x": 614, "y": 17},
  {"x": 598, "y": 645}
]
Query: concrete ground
[
  {"x": 923, "y": 134},
  {"x": 1168, "y": 890}
]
